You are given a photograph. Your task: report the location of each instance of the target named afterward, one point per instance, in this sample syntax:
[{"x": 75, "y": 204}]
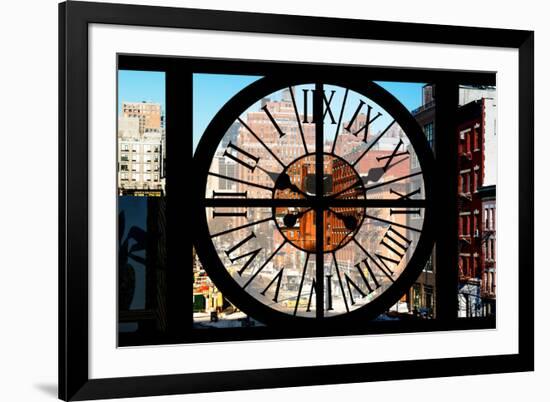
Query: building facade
[
  {"x": 141, "y": 140},
  {"x": 476, "y": 133}
]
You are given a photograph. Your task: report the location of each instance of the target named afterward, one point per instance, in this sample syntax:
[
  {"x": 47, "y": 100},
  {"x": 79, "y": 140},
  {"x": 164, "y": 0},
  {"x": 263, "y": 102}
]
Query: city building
[
  {"x": 488, "y": 250},
  {"x": 149, "y": 115},
  {"x": 476, "y": 133},
  {"x": 141, "y": 145}
]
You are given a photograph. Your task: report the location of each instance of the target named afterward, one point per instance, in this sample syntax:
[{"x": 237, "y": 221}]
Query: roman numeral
[
  {"x": 386, "y": 269},
  {"x": 266, "y": 261},
  {"x": 251, "y": 255},
  {"x": 405, "y": 196},
  {"x": 216, "y": 214},
  {"x": 350, "y": 283},
  {"x": 380, "y": 264},
  {"x": 398, "y": 245},
  {"x": 396, "y": 242},
  {"x": 291, "y": 90},
  {"x": 250, "y": 163},
  {"x": 313, "y": 289},
  {"x": 277, "y": 278},
  {"x": 369, "y": 121},
  {"x": 393, "y": 155},
  {"x": 326, "y": 101},
  {"x": 301, "y": 285},
  {"x": 329, "y": 292},
  {"x": 327, "y": 104},
  {"x": 306, "y": 108},
  {"x": 273, "y": 121}
]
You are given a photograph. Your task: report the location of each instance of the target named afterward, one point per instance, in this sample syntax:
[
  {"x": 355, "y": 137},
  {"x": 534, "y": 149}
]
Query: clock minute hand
[
  {"x": 354, "y": 185},
  {"x": 272, "y": 175}
]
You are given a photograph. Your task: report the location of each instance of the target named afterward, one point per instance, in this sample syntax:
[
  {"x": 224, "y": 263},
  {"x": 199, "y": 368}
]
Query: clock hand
[
  {"x": 282, "y": 181},
  {"x": 355, "y": 185},
  {"x": 272, "y": 175},
  {"x": 374, "y": 174},
  {"x": 290, "y": 219},
  {"x": 350, "y": 221}
]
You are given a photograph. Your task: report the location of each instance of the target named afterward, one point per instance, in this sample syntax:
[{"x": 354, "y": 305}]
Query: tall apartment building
[
  {"x": 476, "y": 216},
  {"x": 148, "y": 114},
  {"x": 488, "y": 250},
  {"x": 140, "y": 149}
]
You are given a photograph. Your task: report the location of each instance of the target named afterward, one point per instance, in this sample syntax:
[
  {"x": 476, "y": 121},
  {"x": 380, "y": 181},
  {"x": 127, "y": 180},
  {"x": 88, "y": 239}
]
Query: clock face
[{"x": 315, "y": 200}]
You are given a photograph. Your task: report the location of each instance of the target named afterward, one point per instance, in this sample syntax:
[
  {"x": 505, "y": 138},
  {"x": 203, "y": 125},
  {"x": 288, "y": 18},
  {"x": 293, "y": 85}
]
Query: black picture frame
[{"x": 74, "y": 380}]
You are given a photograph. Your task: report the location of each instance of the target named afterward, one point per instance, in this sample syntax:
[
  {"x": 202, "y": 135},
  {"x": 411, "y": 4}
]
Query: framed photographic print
[{"x": 258, "y": 200}]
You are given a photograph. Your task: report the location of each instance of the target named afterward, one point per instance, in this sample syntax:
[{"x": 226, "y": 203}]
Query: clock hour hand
[
  {"x": 373, "y": 175},
  {"x": 282, "y": 181},
  {"x": 350, "y": 221},
  {"x": 291, "y": 219},
  {"x": 376, "y": 173}
]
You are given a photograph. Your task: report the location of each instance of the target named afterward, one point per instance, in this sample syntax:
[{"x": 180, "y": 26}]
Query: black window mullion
[{"x": 446, "y": 199}]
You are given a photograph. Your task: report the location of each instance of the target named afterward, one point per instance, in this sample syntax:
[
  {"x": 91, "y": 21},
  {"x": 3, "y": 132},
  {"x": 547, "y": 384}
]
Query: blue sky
[
  {"x": 138, "y": 86},
  {"x": 211, "y": 91}
]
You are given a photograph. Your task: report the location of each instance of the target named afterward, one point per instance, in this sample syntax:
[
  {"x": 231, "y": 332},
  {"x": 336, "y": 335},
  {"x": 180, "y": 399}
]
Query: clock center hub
[{"x": 299, "y": 181}]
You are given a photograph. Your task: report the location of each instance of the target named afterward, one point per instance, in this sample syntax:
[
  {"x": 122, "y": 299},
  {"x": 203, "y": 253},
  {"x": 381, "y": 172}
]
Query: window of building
[
  {"x": 124, "y": 168},
  {"x": 465, "y": 183},
  {"x": 429, "y": 132},
  {"x": 466, "y": 266},
  {"x": 147, "y": 177},
  {"x": 465, "y": 225},
  {"x": 429, "y": 265},
  {"x": 467, "y": 142},
  {"x": 416, "y": 296},
  {"x": 429, "y": 298}
]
